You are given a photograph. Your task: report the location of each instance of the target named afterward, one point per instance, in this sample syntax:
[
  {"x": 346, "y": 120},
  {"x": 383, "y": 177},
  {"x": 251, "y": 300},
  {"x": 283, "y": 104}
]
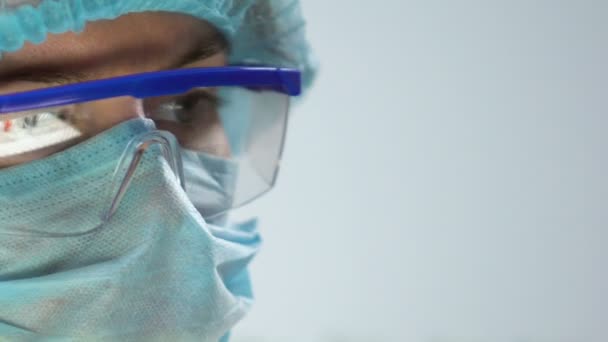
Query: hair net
[{"x": 269, "y": 32}]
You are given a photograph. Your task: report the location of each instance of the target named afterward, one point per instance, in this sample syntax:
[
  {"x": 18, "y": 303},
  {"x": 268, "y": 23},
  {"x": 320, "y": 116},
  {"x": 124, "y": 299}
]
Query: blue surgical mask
[
  {"x": 155, "y": 272},
  {"x": 210, "y": 183}
]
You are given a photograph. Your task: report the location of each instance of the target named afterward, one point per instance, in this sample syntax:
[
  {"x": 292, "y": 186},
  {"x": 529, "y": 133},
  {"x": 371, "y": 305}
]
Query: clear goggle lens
[{"x": 238, "y": 131}]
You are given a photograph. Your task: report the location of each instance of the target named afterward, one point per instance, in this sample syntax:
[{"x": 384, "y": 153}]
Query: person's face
[{"x": 133, "y": 43}]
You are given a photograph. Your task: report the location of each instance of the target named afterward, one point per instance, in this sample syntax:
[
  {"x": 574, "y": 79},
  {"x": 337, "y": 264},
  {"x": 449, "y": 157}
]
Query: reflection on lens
[{"x": 33, "y": 136}]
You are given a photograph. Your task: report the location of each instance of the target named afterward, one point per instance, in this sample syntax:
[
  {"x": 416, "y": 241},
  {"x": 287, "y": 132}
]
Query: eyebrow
[
  {"x": 55, "y": 77},
  {"x": 203, "y": 49}
]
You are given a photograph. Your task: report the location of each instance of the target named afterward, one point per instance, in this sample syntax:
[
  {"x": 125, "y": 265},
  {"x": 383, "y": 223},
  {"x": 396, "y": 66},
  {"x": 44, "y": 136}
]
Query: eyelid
[{"x": 200, "y": 94}]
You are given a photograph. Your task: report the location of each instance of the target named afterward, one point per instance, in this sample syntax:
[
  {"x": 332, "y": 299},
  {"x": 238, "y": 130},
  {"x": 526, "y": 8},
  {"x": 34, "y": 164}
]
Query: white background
[{"x": 445, "y": 180}]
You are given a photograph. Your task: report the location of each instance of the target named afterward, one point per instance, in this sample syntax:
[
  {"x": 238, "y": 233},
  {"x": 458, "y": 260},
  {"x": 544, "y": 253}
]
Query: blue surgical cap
[{"x": 268, "y": 32}]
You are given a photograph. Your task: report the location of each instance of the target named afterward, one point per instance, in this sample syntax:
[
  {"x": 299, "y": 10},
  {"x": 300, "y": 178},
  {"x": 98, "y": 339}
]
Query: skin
[{"x": 130, "y": 44}]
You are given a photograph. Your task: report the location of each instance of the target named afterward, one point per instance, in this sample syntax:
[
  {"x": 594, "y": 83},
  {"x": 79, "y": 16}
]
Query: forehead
[{"x": 133, "y": 42}]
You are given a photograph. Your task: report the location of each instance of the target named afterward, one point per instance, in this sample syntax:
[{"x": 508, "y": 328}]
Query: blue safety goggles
[{"x": 235, "y": 114}]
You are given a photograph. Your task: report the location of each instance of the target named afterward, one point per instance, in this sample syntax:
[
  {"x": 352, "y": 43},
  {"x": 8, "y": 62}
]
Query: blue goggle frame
[{"x": 157, "y": 83}]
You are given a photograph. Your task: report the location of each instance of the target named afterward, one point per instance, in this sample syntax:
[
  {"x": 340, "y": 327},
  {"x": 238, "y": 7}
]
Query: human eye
[{"x": 187, "y": 109}]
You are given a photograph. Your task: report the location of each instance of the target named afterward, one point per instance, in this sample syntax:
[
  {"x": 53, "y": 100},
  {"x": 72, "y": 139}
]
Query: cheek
[{"x": 95, "y": 117}]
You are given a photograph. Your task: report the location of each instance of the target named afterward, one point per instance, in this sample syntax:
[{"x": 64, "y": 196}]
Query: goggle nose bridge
[{"x": 130, "y": 160}]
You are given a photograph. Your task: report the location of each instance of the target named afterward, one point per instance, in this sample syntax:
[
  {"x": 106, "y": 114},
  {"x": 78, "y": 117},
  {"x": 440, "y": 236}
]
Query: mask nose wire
[{"x": 130, "y": 160}]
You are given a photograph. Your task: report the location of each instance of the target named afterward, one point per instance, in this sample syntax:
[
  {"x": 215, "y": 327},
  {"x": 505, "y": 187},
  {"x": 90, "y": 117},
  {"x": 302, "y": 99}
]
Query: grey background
[{"x": 445, "y": 180}]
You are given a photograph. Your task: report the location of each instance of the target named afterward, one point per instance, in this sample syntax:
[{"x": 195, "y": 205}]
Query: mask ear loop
[{"x": 130, "y": 159}]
